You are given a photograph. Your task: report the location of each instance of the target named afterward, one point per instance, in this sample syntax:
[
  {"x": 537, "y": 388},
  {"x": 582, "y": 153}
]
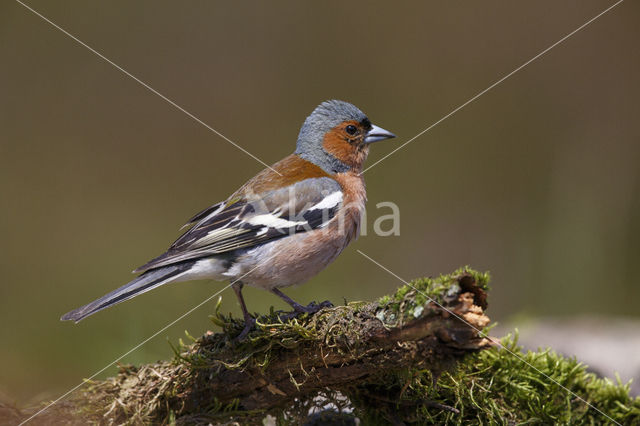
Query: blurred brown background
[{"x": 536, "y": 181}]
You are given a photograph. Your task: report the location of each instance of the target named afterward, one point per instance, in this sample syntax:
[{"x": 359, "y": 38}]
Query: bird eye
[{"x": 351, "y": 129}]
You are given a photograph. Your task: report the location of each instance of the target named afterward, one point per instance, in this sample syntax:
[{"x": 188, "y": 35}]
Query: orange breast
[{"x": 354, "y": 199}]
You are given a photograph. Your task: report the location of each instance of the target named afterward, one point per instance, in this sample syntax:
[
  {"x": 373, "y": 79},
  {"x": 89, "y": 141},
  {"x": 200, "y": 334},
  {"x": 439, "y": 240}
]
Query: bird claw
[
  {"x": 310, "y": 309},
  {"x": 322, "y": 305},
  {"x": 249, "y": 325}
]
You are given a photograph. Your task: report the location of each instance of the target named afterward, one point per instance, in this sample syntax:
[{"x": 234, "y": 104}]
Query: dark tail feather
[{"x": 145, "y": 282}]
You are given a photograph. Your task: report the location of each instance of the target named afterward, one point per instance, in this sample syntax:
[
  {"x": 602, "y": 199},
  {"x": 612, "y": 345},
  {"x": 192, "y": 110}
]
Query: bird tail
[{"x": 145, "y": 282}]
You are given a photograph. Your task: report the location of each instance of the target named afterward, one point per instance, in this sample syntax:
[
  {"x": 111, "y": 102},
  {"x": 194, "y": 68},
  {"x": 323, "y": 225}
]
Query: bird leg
[
  {"x": 249, "y": 321},
  {"x": 311, "y": 308}
]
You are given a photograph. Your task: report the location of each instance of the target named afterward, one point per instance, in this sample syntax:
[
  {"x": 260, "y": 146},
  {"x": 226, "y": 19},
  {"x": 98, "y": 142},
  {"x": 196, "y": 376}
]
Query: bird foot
[
  {"x": 311, "y": 308},
  {"x": 249, "y": 324}
]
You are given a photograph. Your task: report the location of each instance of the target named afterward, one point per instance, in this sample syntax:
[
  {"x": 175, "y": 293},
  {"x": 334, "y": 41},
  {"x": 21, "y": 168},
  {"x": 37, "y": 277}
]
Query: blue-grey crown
[{"x": 324, "y": 118}]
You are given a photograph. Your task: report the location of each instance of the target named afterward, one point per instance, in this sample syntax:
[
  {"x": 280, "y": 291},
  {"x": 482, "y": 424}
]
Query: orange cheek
[{"x": 336, "y": 145}]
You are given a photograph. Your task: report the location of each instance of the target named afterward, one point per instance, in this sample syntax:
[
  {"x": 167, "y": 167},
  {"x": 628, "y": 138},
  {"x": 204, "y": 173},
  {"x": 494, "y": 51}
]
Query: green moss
[
  {"x": 496, "y": 387},
  {"x": 272, "y": 334},
  {"x": 493, "y": 386},
  {"x": 421, "y": 295}
]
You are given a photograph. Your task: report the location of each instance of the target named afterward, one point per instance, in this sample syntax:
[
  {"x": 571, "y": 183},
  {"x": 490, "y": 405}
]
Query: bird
[{"x": 282, "y": 227}]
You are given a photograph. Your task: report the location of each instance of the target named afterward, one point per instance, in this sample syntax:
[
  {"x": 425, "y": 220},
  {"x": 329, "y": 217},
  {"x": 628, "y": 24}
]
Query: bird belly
[{"x": 288, "y": 261}]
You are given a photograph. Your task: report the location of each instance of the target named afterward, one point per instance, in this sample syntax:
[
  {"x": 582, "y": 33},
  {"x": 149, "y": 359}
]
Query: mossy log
[{"x": 395, "y": 361}]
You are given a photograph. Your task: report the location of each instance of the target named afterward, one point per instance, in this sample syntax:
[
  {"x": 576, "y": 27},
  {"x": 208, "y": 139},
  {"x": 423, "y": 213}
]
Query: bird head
[{"x": 336, "y": 137}]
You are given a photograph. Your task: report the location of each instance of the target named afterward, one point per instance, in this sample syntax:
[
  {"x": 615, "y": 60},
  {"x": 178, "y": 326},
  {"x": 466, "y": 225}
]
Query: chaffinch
[{"x": 280, "y": 228}]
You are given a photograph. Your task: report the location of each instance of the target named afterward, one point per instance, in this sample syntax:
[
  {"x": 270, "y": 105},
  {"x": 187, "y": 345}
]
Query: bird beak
[{"x": 377, "y": 134}]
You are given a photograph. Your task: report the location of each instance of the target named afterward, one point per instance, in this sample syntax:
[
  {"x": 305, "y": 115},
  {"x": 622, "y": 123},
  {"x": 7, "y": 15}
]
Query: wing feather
[{"x": 224, "y": 227}]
